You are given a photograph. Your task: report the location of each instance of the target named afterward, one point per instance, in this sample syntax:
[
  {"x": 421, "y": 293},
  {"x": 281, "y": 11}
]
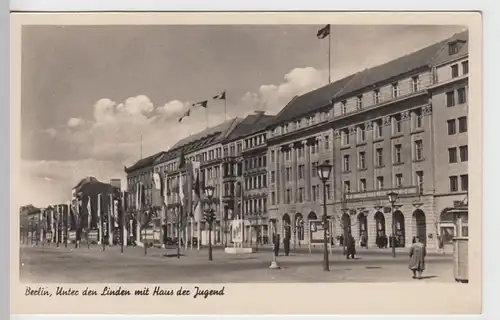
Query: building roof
[
  {"x": 213, "y": 132},
  {"x": 252, "y": 123},
  {"x": 322, "y": 97},
  {"x": 85, "y": 180},
  {"x": 311, "y": 101},
  {"x": 200, "y": 140},
  {"x": 444, "y": 55},
  {"x": 144, "y": 162}
]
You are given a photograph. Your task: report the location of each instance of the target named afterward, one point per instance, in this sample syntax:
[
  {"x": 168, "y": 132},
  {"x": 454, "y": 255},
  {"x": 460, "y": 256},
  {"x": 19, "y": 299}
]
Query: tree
[
  {"x": 180, "y": 219},
  {"x": 210, "y": 217},
  {"x": 143, "y": 219}
]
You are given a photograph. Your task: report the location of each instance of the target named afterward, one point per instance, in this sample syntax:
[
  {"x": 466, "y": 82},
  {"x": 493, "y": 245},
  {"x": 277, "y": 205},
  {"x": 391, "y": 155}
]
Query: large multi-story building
[
  {"x": 141, "y": 172},
  {"x": 400, "y": 126},
  {"x": 206, "y": 148},
  {"x": 245, "y": 174}
]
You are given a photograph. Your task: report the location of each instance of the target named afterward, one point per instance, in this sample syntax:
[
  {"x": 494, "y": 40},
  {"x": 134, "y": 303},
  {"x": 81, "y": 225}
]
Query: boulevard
[{"x": 44, "y": 264}]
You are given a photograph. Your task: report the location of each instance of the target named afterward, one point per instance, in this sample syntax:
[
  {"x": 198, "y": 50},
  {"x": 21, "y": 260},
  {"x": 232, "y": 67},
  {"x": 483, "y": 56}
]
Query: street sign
[{"x": 316, "y": 231}]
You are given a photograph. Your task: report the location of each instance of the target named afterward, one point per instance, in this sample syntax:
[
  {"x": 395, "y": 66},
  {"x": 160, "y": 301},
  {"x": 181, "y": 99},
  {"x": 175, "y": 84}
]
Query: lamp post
[
  {"x": 393, "y": 197},
  {"x": 324, "y": 171},
  {"x": 209, "y": 218}
]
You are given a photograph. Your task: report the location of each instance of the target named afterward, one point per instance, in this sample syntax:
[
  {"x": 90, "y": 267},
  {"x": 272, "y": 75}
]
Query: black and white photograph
[{"x": 244, "y": 153}]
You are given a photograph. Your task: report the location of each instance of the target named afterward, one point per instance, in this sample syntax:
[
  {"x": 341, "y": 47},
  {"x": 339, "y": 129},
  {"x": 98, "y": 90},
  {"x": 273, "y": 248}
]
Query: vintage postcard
[{"x": 218, "y": 163}]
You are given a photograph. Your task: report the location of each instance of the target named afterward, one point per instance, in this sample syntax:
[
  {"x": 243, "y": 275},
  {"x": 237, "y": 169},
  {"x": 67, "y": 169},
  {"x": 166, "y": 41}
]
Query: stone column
[
  {"x": 282, "y": 180},
  {"x": 294, "y": 174},
  {"x": 307, "y": 151}
]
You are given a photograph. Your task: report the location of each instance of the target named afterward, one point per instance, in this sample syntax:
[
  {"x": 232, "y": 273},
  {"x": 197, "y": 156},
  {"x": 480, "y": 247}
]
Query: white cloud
[
  {"x": 51, "y": 132},
  {"x": 173, "y": 108},
  {"x": 74, "y": 122},
  {"x": 273, "y": 97}
]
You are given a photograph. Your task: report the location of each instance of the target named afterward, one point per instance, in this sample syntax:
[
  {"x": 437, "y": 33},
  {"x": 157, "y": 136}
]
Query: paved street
[{"x": 51, "y": 264}]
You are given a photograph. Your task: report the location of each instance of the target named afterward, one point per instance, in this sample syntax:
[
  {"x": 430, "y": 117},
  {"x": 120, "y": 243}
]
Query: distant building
[
  {"x": 141, "y": 172},
  {"x": 117, "y": 183}
]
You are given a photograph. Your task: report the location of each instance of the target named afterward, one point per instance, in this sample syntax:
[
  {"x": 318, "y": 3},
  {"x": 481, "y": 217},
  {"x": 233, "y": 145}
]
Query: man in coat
[
  {"x": 286, "y": 240},
  {"x": 276, "y": 242},
  {"x": 351, "y": 246},
  {"x": 417, "y": 258}
]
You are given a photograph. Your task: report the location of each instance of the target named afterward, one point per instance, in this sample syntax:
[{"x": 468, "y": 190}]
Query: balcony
[{"x": 377, "y": 194}]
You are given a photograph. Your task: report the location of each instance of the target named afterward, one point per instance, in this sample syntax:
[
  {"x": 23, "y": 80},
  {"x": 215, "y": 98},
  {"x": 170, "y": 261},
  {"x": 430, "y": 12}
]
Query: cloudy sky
[{"x": 89, "y": 92}]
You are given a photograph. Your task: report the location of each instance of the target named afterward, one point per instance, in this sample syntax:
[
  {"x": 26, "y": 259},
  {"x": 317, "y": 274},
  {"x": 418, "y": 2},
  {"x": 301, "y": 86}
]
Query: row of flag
[
  {"x": 203, "y": 104},
  {"x": 188, "y": 189}
]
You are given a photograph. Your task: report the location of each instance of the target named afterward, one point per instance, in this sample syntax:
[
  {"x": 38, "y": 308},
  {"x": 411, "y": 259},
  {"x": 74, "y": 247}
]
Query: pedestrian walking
[
  {"x": 417, "y": 258},
  {"x": 276, "y": 242},
  {"x": 351, "y": 246}
]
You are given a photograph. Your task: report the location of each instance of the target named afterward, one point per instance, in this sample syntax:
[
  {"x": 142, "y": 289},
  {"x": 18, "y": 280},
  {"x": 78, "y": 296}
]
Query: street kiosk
[{"x": 461, "y": 244}]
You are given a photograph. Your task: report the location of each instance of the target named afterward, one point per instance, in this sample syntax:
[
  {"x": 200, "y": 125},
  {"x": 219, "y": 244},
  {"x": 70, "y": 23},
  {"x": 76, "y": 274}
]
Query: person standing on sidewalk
[
  {"x": 417, "y": 258},
  {"x": 351, "y": 246}
]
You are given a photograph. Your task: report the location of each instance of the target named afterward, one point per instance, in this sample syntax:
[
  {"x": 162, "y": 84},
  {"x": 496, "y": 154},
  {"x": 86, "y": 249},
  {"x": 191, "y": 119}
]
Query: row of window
[
  {"x": 396, "y": 121},
  {"x": 418, "y": 155},
  {"x": 255, "y": 206},
  {"x": 453, "y": 154},
  {"x": 454, "y": 96},
  {"x": 255, "y": 141},
  {"x": 455, "y": 70},
  {"x": 464, "y": 183},
  {"x": 256, "y": 162},
  {"x": 414, "y": 86},
  {"x": 379, "y": 182},
  {"x": 256, "y": 182},
  {"x": 452, "y": 125}
]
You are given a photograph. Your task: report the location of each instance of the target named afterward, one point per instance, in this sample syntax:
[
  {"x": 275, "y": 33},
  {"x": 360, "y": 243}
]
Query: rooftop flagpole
[
  {"x": 329, "y": 58},
  {"x": 322, "y": 34}
]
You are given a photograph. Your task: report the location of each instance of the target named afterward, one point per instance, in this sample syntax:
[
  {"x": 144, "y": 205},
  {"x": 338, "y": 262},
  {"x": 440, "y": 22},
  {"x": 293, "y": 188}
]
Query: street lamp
[
  {"x": 209, "y": 218},
  {"x": 324, "y": 171},
  {"x": 393, "y": 197}
]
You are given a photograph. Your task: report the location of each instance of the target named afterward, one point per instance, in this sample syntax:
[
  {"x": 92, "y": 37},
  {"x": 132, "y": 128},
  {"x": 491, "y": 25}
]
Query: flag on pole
[
  {"x": 186, "y": 114},
  {"x": 165, "y": 190},
  {"x": 138, "y": 198},
  {"x": 89, "y": 212},
  {"x": 99, "y": 208},
  {"x": 197, "y": 192},
  {"x": 220, "y": 96},
  {"x": 202, "y": 104},
  {"x": 181, "y": 189},
  {"x": 323, "y": 32}
]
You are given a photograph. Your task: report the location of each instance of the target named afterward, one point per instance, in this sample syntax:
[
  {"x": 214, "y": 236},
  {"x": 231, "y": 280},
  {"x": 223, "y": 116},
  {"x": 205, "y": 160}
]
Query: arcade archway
[
  {"x": 346, "y": 223},
  {"x": 312, "y": 216},
  {"x": 362, "y": 225},
  {"x": 400, "y": 235},
  {"x": 381, "y": 235},
  {"x": 299, "y": 226},
  {"x": 419, "y": 225},
  {"x": 286, "y": 226}
]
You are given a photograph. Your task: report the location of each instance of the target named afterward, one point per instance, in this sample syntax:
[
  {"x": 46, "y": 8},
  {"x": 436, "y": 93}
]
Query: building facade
[
  {"x": 245, "y": 176},
  {"x": 141, "y": 172},
  {"x": 206, "y": 149},
  {"x": 383, "y": 129}
]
